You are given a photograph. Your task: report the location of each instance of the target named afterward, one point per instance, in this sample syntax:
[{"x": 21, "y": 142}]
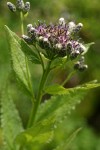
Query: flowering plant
[{"x": 51, "y": 46}]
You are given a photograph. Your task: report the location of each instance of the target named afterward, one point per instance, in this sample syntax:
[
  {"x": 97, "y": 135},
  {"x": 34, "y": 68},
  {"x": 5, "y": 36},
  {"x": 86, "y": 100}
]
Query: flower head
[{"x": 57, "y": 39}]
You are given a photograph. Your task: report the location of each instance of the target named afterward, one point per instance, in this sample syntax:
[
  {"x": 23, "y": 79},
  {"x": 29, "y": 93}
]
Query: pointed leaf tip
[
  {"x": 87, "y": 46},
  {"x": 19, "y": 61}
]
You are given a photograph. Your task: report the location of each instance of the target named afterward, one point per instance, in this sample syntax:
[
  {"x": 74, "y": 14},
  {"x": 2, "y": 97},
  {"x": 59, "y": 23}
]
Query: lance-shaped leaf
[
  {"x": 61, "y": 105},
  {"x": 38, "y": 135},
  {"x": 10, "y": 120},
  {"x": 19, "y": 60}
]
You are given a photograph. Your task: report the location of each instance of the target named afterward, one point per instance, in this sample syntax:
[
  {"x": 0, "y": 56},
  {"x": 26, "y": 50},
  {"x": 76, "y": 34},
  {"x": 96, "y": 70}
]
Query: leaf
[
  {"x": 19, "y": 60},
  {"x": 32, "y": 56},
  {"x": 55, "y": 89},
  {"x": 10, "y": 120},
  {"x": 59, "y": 61},
  {"x": 60, "y": 90},
  {"x": 37, "y": 135},
  {"x": 87, "y": 46},
  {"x": 65, "y": 145},
  {"x": 61, "y": 105}
]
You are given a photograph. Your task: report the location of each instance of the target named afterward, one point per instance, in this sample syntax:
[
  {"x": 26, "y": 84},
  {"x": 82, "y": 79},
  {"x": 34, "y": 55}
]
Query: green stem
[
  {"x": 69, "y": 76},
  {"x": 22, "y": 20},
  {"x": 26, "y": 61},
  {"x": 40, "y": 58},
  {"x": 39, "y": 96}
]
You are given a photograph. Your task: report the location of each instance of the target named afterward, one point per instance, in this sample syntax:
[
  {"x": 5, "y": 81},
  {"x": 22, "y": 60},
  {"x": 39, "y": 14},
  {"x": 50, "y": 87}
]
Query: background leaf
[
  {"x": 10, "y": 120},
  {"x": 86, "y": 140},
  {"x": 65, "y": 145}
]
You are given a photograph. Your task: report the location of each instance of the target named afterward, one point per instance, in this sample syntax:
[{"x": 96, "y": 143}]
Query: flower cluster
[
  {"x": 79, "y": 65},
  {"x": 20, "y": 6},
  {"x": 57, "y": 40}
]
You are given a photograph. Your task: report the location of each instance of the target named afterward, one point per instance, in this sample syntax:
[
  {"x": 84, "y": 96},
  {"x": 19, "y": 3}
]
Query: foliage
[
  {"x": 49, "y": 124},
  {"x": 10, "y": 120},
  {"x": 20, "y": 68}
]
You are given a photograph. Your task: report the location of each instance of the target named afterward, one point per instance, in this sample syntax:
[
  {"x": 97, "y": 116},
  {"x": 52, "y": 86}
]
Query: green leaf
[
  {"x": 10, "y": 120},
  {"x": 61, "y": 105},
  {"x": 60, "y": 90},
  {"x": 32, "y": 56},
  {"x": 55, "y": 89},
  {"x": 19, "y": 60},
  {"x": 65, "y": 145},
  {"x": 41, "y": 133},
  {"x": 59, "y": 61},
  {"x": 87, "y": 46}
]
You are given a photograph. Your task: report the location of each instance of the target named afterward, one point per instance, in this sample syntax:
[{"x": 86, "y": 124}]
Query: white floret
[{"x": 62, "y": 21}]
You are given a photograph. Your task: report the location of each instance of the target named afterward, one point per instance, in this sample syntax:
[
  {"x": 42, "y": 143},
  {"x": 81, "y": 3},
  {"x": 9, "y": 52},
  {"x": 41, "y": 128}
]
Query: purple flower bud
[
  {"x": 80, "y": 25},
  {"x": 71, "y": 26},
  {"x": 27, "y": 39},
  {"x": 29, "y": 26},
  {"x": 30, "y": 30},
  {"x": 81, "y": 60},
  {"x": 58, "y": 46},
  {"x": 74, "y": 54},
  {"x": 83, "y": 67},
  {"x": 62, "y": 21},
  {"x": 41, "y": 38},
  {"x": 26, "y": 7},
  {"x": 11, "y": 6},
  {"x": 82, "y": 48},
  {"x": 19, "y": 4},
  {"x": 45, "y": 40},
  {"x": 77, "y": 65},
  {"x": 78, "y": 28}
]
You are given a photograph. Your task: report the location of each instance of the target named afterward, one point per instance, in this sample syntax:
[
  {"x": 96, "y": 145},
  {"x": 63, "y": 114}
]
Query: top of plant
[{"x": 58, "y": 40}]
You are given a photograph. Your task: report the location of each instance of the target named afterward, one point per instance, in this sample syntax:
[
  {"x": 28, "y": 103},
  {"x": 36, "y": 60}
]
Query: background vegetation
[{"x": 87, "y": 114}]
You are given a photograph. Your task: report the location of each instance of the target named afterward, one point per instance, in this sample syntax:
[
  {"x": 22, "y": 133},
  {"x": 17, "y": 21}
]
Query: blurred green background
[{"x": 86, "y": 12}]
